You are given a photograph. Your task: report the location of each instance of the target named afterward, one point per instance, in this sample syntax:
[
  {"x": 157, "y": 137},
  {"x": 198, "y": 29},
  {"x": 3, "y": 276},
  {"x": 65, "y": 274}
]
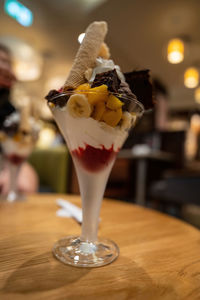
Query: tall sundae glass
[
  {"x": 18, "y": 137},
  {"x": 93, "y": 146},
  {"x": 94, "y": 110}
]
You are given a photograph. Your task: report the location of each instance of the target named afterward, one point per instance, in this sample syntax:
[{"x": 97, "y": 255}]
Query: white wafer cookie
[
  {"x": 24, "y": 118},
  {"x": 87, "y": 54}
]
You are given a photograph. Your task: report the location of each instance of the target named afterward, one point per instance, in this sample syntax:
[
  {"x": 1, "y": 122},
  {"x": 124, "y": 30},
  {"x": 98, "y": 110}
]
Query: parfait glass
[
  {"x": 93, "y": 146},
  {"x": 18, "y": 136},
  {"x": 13, "y": 166},
  {"x": 15, "y": 153}
]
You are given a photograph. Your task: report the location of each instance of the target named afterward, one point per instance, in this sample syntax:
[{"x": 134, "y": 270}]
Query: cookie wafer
[
  {"x": 87, "y": 54},
  {"x": 24, "y": 121}
]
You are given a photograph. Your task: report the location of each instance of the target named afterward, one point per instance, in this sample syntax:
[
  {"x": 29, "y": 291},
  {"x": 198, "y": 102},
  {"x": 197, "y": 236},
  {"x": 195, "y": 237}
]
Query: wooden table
[{"x": 159, "y": 259}]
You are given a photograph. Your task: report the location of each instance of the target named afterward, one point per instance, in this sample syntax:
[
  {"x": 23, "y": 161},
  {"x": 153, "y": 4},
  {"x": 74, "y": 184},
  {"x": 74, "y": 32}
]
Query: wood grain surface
[{"x": 159, "y": 255}]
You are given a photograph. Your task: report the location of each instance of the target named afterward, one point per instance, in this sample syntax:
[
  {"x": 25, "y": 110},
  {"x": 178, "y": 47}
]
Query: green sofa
[{"x": 53, "y": 167}]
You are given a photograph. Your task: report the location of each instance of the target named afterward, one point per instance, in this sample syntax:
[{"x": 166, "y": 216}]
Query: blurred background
[{"x": 159, "y": 164}]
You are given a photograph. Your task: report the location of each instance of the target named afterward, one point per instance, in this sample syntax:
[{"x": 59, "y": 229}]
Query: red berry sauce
[
  {"x": 60, "y": 90},
  {"x": 15, "y": 159},
  {"x": 94, "y": 159}
]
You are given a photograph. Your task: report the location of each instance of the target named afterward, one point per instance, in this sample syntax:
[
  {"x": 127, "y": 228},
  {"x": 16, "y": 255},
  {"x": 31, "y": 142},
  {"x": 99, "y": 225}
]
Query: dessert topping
[{"x": 79, "y": 106}]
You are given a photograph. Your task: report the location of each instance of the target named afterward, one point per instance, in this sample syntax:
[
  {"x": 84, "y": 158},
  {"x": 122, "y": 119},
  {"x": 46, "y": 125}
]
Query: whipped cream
[
  {"x": 15, "y": 118},
  {"x": 11, "y": 119},
  {"x": 81, "y": 131},
  {"x": 104, "y": 65},
  {"x": 11, "y": 147}
]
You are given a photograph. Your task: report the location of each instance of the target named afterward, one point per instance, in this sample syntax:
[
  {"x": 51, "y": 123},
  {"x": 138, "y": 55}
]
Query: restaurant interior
[
  {"x": 159, "y": 164},
  {"x": 99, "y": 100}
]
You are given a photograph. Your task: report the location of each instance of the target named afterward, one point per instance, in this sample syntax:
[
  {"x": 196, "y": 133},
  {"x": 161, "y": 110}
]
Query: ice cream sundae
[
  {"x": 18, "y": 136},
  {"x": 17, "y": 141},
  {"x": 94, "y": 110}
]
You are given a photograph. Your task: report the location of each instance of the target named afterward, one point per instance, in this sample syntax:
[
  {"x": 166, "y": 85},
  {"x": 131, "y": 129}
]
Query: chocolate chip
[
  {"x": 51, "y": 94},
  {"x": 57, "y": 98},
  {"x": 11, "y": 129},
  {"x": 109, "y": 78}
]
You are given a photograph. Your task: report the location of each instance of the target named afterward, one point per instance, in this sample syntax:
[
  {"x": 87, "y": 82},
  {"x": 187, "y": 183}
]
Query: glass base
[
  {"x": 72, "y": 251},
  {"x": 12, "y": 197}
]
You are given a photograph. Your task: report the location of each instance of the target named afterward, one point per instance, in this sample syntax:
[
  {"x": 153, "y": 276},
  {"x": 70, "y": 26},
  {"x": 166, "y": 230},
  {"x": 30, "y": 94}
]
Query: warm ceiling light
[
  {"x": 191, "y": 78},
  {"x": 81, "y": 37},
  {"x": 197, "y": 95},
  {"x": 195, "y": 123},
  {"x": 46, "y": 138},
  {"x": 175, "y": 51},
  {"x": 27, "y": 62},
  {"x": 26, "y": 71}
]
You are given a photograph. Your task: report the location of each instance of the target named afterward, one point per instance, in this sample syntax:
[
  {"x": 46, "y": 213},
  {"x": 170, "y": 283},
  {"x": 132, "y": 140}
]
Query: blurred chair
[
  {"x": 191, "y": 214},
  {"x": 174, "y": 142},
  {"x": 167, "y": 143},
  {"x": 176, "y": 191},
  {"x": 52, "y": 165},
  {"x": 178, "y": 184}
]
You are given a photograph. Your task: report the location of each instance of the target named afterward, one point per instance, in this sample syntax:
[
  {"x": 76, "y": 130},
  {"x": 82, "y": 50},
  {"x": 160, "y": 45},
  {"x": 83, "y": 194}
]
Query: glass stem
[
  {"x": 13, "y": 175},
  {"x": 91, "y": 205},
  {"x": 92, "y": 187}
]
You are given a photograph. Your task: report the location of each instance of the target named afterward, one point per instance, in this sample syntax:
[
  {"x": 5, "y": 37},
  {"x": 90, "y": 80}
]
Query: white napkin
[
  {"x": 63, "y": 213},
  {"x": 69, "y": 210}
]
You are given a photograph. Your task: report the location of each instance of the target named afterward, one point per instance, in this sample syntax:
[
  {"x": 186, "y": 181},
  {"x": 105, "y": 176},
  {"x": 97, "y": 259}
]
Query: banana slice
[
  {"x": 127, "y": 120},
  {"x": 79, "y": 106}
]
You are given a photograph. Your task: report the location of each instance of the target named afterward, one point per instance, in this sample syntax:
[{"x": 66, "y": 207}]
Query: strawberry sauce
[
  {"x": 94, "y": 159},
  {"x": 15, "y": 159}
]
